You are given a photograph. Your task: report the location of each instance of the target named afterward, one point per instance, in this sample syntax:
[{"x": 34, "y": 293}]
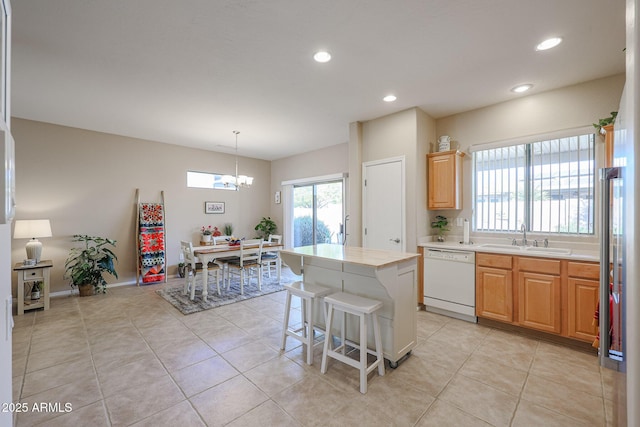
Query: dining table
[{"x": 210, "y": 253}]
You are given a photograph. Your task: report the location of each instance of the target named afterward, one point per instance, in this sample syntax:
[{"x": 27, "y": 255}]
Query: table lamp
[{"x": 32, "y": 229}]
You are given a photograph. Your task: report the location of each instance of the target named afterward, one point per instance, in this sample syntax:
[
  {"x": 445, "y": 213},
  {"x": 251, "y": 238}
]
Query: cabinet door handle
[{"x": 396, "y": 240}]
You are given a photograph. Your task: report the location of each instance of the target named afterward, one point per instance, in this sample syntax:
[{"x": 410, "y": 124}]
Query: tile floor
[{"x": 130, "y": 358}]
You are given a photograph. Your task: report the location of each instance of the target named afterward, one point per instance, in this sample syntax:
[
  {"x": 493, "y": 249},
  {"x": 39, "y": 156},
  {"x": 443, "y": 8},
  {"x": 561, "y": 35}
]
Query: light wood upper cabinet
[
  {"x": 608, "y": 146},
  {"x": 444, "y": 180}
]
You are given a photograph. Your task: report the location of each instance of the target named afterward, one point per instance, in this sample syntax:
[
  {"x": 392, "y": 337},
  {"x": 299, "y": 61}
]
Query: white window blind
[{"x": 547, "y": 185}]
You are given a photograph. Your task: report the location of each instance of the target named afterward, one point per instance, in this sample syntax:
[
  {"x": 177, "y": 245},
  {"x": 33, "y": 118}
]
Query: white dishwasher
[{"x": 450, "y": 283}]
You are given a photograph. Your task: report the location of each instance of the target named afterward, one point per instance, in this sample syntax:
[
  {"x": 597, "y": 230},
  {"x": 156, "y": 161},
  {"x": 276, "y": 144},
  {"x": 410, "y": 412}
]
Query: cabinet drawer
[
  {"x": 494, "y": 260},
  {"x": 585, "y": 270},
  {"x": 539, "y": 265},
  {"x": 33, "y": 274}
]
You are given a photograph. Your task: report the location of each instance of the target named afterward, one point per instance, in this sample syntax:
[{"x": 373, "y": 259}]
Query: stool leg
[
  {"x": 363, "y": 353},
  {"x": 327, "y": 338},
  {"x": 310, "y": 332},
  {"x": 285, "y": 327},
  {"x": 303, "y": 309},
  {"x": 378, "y": 339},
  {"x": 343, "y": 333}
]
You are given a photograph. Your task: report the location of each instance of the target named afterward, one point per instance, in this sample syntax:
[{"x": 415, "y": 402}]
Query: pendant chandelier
[{"x": 238, "y": 180}]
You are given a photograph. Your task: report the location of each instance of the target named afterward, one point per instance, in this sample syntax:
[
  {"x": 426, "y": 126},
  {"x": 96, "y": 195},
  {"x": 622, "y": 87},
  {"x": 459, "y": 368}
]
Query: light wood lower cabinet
[
  {"x": 539, "y": 301},
  {"x": 583, "y": 292},
  {"x": 494, "y": 287},
  {"x": 494, "y": 298},
  {"x": 553, "y": 296}
]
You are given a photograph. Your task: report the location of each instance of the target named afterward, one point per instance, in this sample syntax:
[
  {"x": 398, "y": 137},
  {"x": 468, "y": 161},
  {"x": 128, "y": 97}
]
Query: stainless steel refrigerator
[{"x": 619, "y": 268}]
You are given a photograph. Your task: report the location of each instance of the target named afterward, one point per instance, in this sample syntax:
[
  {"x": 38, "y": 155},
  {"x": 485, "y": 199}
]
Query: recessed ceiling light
[
  {"x": 522, "y": 88},
  {"x": 322, "y": 56},
  {"x": 389, "y": 98},
  {"x": 549, "y": 43}
]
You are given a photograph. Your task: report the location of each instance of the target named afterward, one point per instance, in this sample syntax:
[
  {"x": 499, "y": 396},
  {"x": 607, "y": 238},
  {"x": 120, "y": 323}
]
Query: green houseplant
[
  {"x": 440, "y": 224},
  {"x": 228, "y": 229},
  {"x": 85, "y": 266},
  {"x": 266, "y": 227},
  {"x": 606, "y": 121}
]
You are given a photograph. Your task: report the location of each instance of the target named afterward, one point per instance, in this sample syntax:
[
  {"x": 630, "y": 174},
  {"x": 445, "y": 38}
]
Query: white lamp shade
[{"x": 30, "y": 228}]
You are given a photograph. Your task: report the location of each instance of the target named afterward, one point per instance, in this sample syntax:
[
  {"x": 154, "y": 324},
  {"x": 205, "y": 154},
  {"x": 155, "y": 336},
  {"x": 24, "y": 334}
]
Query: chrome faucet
[{"x": 523, "y": 229}]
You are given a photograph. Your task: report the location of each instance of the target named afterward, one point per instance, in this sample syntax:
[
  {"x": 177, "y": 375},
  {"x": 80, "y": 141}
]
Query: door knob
[{"x": 396, "y": 240}]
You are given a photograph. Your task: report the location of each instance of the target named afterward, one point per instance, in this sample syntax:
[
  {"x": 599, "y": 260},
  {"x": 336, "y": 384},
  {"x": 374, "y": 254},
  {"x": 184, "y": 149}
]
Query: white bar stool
[
  {"x": 308, "y": 293},
  {"x": 363, "y": 308}
]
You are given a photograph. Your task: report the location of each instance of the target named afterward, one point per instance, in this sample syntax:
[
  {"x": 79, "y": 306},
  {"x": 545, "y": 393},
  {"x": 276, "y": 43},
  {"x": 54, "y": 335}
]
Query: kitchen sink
[
  {"x": 548, "y": 250},
  {"x": 538, "y": 249},
  {"x": 500, "y": 246}
]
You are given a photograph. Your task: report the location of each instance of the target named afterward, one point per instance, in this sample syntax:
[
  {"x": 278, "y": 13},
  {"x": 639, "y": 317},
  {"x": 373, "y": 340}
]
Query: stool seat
[
  {"x": 307, "y": 290},
  {"x": 308, "y": 293},
  {"x": 354, "y": 303},
  {"x": 363, "y": 308}
]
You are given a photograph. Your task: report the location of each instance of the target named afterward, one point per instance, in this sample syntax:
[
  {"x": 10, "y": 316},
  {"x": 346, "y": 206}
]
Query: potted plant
[
  {"x": 441, "y": 225},
  {"x": 36, "y": 289},
  {"x": 266, "y": 227},
  {"x": 605, "y": 122},
  {"x": 206, "y": 233},
  {"x": 85, "y": 266},
  {"x": 228, "y": 229}
]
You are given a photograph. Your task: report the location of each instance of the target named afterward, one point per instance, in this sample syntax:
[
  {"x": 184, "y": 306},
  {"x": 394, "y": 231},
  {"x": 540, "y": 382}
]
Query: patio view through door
[{"x": 318, "y": 213}]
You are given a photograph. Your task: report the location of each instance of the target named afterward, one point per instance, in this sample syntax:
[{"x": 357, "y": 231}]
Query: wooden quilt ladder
[{"x": 150, "y": 236}]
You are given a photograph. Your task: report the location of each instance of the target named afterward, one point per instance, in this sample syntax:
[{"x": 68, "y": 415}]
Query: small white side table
[{"x": 29, "y": 274}]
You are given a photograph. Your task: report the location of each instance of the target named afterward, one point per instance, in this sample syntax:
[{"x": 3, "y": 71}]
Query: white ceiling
[{"x": 190, "y": 72}]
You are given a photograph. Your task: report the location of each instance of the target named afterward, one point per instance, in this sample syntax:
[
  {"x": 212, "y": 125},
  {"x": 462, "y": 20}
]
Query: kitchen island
[{"x": 390, "y": 277}]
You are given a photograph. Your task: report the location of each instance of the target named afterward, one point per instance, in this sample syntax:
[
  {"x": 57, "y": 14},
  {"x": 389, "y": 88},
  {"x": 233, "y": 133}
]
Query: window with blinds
[{"x": 546, "y": 185}]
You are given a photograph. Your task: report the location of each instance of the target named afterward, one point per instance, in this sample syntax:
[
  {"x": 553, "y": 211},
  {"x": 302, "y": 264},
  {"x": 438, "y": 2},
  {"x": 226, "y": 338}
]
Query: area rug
[{"x": 175, "y": 294}]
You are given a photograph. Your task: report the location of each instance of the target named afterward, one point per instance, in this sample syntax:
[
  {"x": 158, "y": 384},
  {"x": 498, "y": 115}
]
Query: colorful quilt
[{"x": 151, "y": 241}]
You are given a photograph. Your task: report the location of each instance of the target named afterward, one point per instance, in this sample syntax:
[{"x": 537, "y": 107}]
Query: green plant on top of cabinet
[{"x": 444, "y": 180}]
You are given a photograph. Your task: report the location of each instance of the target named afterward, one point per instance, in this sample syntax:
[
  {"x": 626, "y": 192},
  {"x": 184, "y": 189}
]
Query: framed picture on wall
[{"x": 214, "y": 207}]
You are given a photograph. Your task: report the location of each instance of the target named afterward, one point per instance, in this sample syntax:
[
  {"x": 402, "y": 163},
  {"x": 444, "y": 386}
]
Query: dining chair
[
  {"x": 222, "y": 262},
  {"x": 249, "y": 261},
  {"x": 272, "y": 258},
  {"x": 191, "y": 261}
]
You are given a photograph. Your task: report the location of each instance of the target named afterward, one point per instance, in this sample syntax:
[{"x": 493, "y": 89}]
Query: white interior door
[{"x": 383, "y": 204}]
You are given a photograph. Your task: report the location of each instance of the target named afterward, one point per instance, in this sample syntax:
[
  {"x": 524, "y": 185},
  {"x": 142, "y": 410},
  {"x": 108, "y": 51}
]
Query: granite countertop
[
  {"x": 353, "y": 255},
  {"x": 570, "y": 253}
]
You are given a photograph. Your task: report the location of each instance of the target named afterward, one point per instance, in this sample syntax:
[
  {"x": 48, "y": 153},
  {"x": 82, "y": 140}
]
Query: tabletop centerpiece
[
  {"x": 234, "y": 241},
  {"x": 207, "y": 233}
]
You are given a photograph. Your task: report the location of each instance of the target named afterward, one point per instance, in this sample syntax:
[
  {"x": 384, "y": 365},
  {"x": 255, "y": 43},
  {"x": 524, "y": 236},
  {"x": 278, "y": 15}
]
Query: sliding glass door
[{"x": 318, "y": 213}]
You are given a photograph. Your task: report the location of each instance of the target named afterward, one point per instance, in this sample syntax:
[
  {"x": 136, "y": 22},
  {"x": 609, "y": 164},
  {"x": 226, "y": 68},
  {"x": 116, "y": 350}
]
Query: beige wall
[
  {"x": 407, "y": 133},
  {"x": 327, "y": 161},
  {"x": 566, "y": 108},
  {"x": 85, "y": 183}
]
